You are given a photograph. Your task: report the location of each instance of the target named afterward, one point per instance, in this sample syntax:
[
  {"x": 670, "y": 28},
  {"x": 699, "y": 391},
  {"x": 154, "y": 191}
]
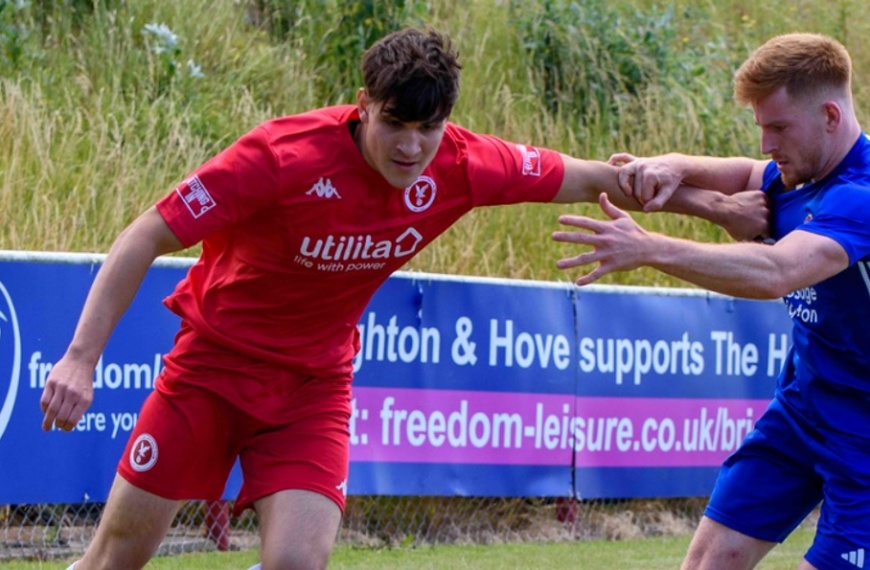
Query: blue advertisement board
[{"x": 463, "y": 386}]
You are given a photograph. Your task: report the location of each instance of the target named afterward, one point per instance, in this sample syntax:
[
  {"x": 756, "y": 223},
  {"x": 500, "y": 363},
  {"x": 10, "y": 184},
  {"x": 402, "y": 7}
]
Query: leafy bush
[
  {"x": 591, "y": 56},
  {"x": 335, "y": 34}
]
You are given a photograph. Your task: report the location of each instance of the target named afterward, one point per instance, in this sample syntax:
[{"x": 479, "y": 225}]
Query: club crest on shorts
[{"x": 143, "y": 454}]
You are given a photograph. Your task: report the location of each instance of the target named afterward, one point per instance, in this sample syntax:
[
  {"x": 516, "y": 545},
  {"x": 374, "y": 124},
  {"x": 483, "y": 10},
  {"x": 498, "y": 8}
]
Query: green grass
[{"x": 650, "y": 554}]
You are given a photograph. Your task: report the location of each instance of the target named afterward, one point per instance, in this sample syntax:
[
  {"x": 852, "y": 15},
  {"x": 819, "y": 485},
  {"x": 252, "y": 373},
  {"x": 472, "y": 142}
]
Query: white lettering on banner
[
  {"x": 121, "y": 422},
  {"x": 732, "y": 359},
  {"x": 777, "y": 355},
  {"x": 463, "y": 350},
  {"x": 626, "y": 357},
  {"x": 38, "y": 370},
  {"x": 112, "y": 376},
  {"x": 526, "y": 348},
  {"x": 92, "y": 421},
  {"x": 622, "y": 358},
  {"x": 124, "y": 422},
  {"x": 394, "y": 344},
  {"x": 712, "y": 430}
]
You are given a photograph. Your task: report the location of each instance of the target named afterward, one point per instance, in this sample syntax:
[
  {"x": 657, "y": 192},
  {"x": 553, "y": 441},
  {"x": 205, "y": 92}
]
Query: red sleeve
[
  {"x": 225, "y": 190},
  {"x": 508, "y": 173}
]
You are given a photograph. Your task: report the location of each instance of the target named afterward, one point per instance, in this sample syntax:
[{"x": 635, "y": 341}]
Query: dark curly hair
[{"x": 414, "y": 73}]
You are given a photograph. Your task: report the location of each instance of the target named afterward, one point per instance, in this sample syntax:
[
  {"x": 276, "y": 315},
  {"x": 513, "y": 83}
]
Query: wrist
[
  {"x": 720, "y": 208},
  {"x": 82, "y": 355}
]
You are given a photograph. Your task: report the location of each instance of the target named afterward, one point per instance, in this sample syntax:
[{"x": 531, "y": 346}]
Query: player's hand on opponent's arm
[
  {"x": 619, "y": 244},
  {"x": 651, "y": 181},
  {"x": 68, "y": 393},
  {"x": 745, "y": 215}
]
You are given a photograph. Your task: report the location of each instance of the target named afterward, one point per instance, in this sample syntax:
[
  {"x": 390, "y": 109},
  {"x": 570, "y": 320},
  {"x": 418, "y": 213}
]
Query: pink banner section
[{"x": 470, "y": 427}]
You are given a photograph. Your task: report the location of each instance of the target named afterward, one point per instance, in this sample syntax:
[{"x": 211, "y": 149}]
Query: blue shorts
[{"x": 781, "y": 472}]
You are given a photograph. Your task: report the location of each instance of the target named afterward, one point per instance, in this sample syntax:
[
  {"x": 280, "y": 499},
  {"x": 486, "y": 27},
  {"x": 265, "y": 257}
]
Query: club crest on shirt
[
  {"x": 531, "y": 159},
  {"x": 195, "y": 196},
  {"x": 420, "y": 195}
]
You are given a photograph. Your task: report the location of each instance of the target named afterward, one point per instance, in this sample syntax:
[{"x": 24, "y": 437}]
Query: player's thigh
[
  {"x": 309, "y": 451},
  {"x": 769, "y": 485},
  {"x": 184, "y": 444},
  {"x": 133, "y": 524},
  {"x": 297, "y": 529}
]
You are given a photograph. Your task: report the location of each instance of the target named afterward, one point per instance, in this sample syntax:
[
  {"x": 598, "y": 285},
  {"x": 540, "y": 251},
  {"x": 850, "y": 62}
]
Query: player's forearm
[
  {"x": 724, "y": 174},
  {"x": 740, "y": 269},
  {"x": 111, "y": 294},
  {"x": 709, "y": 205},
  {"x": 117, "y": 282}
]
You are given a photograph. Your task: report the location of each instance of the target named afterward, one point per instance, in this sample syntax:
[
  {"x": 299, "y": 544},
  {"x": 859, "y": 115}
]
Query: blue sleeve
[
  {"x": 844, "y": 216},
  {"x": 771, "y": 177}
]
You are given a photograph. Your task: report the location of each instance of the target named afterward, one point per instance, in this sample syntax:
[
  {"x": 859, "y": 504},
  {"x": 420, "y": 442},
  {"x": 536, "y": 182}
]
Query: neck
[{"x": 841, "y": 147}]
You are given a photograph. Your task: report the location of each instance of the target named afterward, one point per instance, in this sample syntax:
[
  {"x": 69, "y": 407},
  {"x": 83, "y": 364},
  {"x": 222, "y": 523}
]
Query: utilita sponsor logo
[
  {"x": 10, "y": 357},
  {"x": 353, "y": 248}
]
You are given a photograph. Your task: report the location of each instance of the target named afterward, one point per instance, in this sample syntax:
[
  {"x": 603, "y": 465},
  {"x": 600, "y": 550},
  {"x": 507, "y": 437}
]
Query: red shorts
[{"x": 212, "y": 406}]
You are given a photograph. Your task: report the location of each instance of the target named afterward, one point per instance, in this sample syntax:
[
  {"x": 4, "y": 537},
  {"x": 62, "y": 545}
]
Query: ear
[
  {"x": 362, "y": 102},
  {"x": 833, "y": 115}
]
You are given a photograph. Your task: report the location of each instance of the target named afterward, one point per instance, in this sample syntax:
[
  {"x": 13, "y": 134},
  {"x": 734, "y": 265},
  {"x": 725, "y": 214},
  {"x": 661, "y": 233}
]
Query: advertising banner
[{"x": 463, "y": 386}]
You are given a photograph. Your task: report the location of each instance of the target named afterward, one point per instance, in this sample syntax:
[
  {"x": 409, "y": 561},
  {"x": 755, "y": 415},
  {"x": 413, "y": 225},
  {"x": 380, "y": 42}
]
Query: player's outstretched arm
[
  {"x": 743, "y": 215},
  {"x": 751, "y": 270},
  {"x": 69, "y": 388},
  {"x": 653, "y": 180}
]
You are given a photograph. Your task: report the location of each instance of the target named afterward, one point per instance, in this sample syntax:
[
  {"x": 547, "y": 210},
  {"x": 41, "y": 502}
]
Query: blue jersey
[{"x": 827, "y": 376}]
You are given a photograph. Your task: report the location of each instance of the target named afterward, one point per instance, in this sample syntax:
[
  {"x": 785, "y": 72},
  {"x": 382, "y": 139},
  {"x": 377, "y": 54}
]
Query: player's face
[
  {"x": 399, "y": 151},
  {"x": 793, "y": 133}
]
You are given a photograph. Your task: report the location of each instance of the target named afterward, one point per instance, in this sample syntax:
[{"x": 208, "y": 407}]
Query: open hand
[{"x": 617, "y": 245}]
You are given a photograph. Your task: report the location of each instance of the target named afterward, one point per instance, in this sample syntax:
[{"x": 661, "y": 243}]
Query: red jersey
[{"x": 299, "y": 231}]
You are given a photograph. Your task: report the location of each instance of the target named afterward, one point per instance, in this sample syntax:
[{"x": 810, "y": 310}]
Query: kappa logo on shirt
[
  {"x": 324, "y": 189},
  {"x": 420, "y": 195},
  {"x": 531, "y": 160},
  {"x": 195, "y": 196},
  {"x": 143, "y": 455}
]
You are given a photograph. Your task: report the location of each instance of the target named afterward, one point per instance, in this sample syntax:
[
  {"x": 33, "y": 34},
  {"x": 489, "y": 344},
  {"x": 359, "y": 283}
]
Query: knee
[
  {"x": 704, "y": 556},
  {"x": 296, "y": 559}
]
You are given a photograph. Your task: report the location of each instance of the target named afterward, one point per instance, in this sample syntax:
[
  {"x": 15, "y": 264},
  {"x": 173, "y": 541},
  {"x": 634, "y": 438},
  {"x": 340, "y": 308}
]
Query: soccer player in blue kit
[{"x": 812, "y": 444}]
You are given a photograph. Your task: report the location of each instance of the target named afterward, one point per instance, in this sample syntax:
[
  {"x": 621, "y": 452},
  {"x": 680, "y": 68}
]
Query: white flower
[
  {"x": 166, "y": 38},
  {"x": 194, "y": 69}
]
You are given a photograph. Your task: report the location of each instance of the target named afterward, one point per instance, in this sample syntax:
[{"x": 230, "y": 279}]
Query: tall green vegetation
[{"x": 106, "y": 104}]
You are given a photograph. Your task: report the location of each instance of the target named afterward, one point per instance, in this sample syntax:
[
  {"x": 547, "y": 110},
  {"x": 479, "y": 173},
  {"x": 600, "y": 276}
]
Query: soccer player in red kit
[{"x": 300, "y": 220}]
